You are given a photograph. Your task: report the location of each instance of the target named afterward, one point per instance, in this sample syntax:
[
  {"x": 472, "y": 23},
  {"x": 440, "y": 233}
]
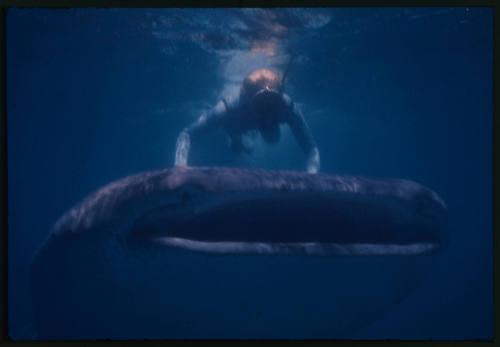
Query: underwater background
[{"x": 94, "y": 95}]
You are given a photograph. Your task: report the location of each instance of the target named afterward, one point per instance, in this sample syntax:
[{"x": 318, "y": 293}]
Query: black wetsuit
[{"x": 238, "y": 118}]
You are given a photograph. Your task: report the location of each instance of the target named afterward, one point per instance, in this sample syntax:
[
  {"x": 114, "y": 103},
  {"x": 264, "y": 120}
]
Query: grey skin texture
[{"x": 235, "y": 253}]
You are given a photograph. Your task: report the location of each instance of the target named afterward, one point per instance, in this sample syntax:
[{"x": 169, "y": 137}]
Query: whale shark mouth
[
  {"x": 231, "y": 210},
  {"x": 290, "y": 223}
]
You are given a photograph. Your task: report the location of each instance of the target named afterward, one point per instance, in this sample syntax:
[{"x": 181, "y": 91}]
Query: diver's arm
[
  {"x": 182, "y": 148},
  {"x": 304, "y": 137},
  {"x": 202, "y": 125}
]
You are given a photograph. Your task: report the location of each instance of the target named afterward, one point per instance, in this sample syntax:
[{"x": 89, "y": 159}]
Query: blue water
[{"x": 97, "y": 94}]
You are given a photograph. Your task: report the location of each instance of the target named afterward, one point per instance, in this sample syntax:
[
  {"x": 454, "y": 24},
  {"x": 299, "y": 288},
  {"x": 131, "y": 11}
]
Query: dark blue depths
[{"x": 95, "y": 95}]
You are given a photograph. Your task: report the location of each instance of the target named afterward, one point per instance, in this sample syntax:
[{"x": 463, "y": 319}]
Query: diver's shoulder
[
  {"x": 229, "y": 103},
  {"x": 232, "y": 101},
  {"x": 288, "y": 100},
  {"x": 219, "y": 108}
]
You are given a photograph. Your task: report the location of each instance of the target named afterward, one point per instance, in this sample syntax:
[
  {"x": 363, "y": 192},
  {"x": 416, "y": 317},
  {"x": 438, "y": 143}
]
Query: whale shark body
[{"x": 216, "y": 253}]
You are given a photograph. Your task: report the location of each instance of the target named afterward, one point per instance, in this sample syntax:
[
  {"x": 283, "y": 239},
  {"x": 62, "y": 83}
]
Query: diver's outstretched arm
[
  {"x": 202, "y": 125},
  {"x": 182, "y": 148},
  {"x": 304, "y": 137},
  {"x": 313, "y": 161}
]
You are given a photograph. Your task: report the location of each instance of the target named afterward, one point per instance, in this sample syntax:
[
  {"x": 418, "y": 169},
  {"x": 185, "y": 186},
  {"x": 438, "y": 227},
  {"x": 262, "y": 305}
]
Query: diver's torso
[{"x": 240, "y": 117}]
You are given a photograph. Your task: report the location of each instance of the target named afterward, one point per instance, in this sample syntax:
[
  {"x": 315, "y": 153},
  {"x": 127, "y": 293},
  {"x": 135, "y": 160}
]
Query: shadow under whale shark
[{"x": 202, "y": 252}]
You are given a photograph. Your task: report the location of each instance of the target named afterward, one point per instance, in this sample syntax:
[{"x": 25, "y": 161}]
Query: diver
[{"x": 260, "y": 108}]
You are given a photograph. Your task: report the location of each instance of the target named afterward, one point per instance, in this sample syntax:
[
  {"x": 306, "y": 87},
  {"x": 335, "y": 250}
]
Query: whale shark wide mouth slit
[{"x": 291, "y": 224}]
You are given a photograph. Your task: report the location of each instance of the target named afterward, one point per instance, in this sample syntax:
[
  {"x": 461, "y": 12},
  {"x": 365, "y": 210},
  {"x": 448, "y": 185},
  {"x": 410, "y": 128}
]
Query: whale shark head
[
  {"x": 225, "y": 210},
  {"x": 144, "y": 246}
]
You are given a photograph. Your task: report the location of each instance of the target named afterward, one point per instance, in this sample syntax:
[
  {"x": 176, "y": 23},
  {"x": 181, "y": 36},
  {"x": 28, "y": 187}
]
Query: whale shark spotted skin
[{"x": 209, "y": 252}]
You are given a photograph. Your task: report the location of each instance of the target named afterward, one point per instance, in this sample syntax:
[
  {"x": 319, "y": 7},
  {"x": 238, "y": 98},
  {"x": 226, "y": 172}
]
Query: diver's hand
[{"x": 313, "y": 161}]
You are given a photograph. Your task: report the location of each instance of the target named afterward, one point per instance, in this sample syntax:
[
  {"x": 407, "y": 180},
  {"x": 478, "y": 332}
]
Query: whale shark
[{"x": 225, "y": 253}]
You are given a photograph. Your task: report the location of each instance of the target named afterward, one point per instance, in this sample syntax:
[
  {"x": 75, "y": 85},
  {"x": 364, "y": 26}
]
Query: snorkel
[{"x": 292, "y": 56}]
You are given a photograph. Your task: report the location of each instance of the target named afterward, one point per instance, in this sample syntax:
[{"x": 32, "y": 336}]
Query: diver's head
[
  {"x": 262, "y": 90},
  {"x": 258, "y": 80}
]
